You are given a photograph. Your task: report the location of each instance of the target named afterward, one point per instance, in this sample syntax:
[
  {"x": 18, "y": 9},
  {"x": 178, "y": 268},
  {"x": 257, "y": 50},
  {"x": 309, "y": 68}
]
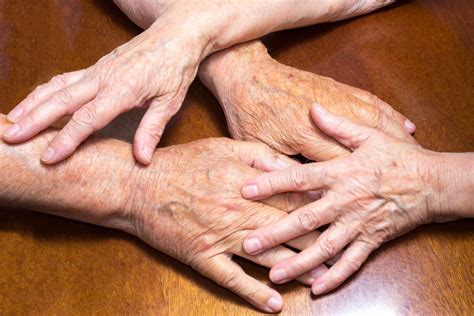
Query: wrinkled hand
[
  {"x": 152, "y": 70},
  {"x": 188, "y": 205},
  {"x": 371, "y": 196},
  {"x": 270, "y": 102}
]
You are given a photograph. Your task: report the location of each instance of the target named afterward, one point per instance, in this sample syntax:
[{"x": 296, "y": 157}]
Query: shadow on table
[{"x": 54, "y": 229}]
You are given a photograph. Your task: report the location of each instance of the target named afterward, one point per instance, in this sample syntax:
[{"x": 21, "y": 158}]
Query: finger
[
  {"x": 228, "y": 274},
  {"x": 375, "y": 117},
  {"x": 313, "y": 176},
  {"x": 331, "y": 241},
  {"x": 298, "y": 223},
  {"x": 261, "y": 157},
  {"x": 59, "y": 104},
  {"x": 288, "y": 202},
  {"x": 88, "y": 119},
  {"x": 304, "y": 241},
  {"x": 150, "y": 130},
  {"x": 42, "y": 93},
  {"x": 308, "y": 240},
  {"x": 350, "y": 261},
  {"x": 348, "y": 133},
  {"x": 369, "y": 98},
  {"x": 271, "y": 257}
]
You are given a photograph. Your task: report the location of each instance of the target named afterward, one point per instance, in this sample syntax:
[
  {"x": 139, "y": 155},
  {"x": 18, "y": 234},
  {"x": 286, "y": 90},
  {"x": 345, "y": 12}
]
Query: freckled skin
[
  {"x": 269, "y": 102},
  {"x": 386, "y": 187},
  {"x": 190, "y": 209}
]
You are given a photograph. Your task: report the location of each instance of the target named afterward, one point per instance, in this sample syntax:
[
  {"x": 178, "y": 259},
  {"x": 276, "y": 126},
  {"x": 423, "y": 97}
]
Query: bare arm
[
  {"x": 92, "y": 186},
  {"x": 177, "y": 205}
]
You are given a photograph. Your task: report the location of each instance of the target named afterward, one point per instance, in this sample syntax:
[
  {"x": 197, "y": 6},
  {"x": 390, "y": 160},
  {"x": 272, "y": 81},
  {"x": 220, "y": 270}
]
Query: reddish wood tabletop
[{"x": 416, "y": 55}]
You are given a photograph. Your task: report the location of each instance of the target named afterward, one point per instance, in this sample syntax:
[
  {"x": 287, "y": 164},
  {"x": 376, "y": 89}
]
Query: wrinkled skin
[
  {"x": 187, "y": 203},
  {"x": 375, "y": 194},
  {"x": 266, "y": 101},
  {"x": 196, "y": 213},
  {"x": 153, "y": 70}
]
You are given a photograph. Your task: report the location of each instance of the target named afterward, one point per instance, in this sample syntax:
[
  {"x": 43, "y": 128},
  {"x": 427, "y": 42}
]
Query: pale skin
[
  {"x": 191, "y": 210},
  {"x": 351, "y": 102},
  {"x": 386, "y": 187},
  {"x": 266, "y": 101},
  {"x": 155, "y": 69}
]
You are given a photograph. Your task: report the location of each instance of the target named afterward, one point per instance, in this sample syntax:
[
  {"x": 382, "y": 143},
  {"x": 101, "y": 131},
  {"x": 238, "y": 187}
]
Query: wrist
[
  {"x": 91, "y": 186},
  {"x": 225, "y": 69},
  {"x": 449, "y": 179}
]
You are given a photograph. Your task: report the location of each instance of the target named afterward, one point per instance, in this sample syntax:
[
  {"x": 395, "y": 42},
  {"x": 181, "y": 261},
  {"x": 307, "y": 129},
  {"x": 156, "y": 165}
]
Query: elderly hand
[
  {"x": 385, "y": 188},
  {"x": 155, "y": 69},
  {"x": 152, "y": 70},
  {"x": 270, "y": 102},
  {"x": 188, "y": 205}
]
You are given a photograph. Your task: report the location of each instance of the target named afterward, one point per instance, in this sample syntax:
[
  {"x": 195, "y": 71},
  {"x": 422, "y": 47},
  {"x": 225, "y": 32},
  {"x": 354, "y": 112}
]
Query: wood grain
[{"x": 416, "y": 55}]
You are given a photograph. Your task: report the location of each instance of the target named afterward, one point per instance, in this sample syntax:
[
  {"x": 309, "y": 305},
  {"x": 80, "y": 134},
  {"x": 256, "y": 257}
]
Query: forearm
[
  {"x": 226, "y": 23},
  {"x": 92, "y": 186},
  {"x": 450, "y": 178}
]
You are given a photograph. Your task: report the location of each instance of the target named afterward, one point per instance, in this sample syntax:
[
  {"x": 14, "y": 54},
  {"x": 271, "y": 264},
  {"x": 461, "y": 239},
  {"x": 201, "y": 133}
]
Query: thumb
[
  {"x": 261, "y": 157},
  {"x": 150, "y": 130},
  {"x": 348, "y": 133}
]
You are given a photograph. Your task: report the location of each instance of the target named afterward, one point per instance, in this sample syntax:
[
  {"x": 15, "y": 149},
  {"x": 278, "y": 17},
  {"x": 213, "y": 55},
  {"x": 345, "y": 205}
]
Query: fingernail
[
  {"x": 279, "y": 275},
  {"x": 15, "y": 114},
  {"x": 319, "y": 288},
  {"x": 319, "y": 108},
  {"x": 275, "y": 304},
  {"x": 147, "y": 154},
  {"x": 12, "y": 130},
  {"x": 409, "y": 126},
  {"x": 250, "y": 191},
  {"x": 252, "y": 245},
  {"x": 48, "y": 154}
]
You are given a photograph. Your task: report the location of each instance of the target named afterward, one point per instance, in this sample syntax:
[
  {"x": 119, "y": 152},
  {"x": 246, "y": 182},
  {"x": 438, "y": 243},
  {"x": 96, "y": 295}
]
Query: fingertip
[
  {"x": 50, "y": 156},
  {"x": 318, "y": 112},
  {"x": 317, "y": 108},
  {"x": 319, "y": 288},
  {"x": 409, "y": 126},
  {"x": 9, "y": 134},
  {"x": 252, "y": 246},
  {"x": 275, "y": 303},
  {"x": 250, "y": 191},
  {"x": 278, "y": 275}
]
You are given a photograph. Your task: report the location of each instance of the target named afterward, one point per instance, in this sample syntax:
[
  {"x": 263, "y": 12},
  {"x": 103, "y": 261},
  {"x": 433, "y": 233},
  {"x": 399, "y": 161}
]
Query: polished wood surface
[{"x": 417, "y": 55}]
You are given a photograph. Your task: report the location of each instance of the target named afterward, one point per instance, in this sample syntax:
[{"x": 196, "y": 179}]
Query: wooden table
[{"x": 417, "y": 55}]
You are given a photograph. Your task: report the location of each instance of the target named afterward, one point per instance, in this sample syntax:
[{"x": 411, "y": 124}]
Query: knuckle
[
  {"x": 58, "y": 80},
  {"x": 62, "y": 97},
  {"x": 379, "y": 118},
  {"x": 84, "y": 117},
  {"x": 230, "y": 280},
  {"x": 308, "y": 220},
  {"x": 328, "y": 249},
  {"x": 352, "y": 265},
  {"x": 300, "y": 179}
]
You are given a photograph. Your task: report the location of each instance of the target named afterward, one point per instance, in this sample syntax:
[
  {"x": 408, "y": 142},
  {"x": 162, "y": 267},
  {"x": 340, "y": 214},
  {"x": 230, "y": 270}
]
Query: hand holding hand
[
  {"x": 371, "y": 196},
  {"x": 188, "y": 205},
  {"x": 266, "y": 101},
  {"x": 153, "y": 70}
]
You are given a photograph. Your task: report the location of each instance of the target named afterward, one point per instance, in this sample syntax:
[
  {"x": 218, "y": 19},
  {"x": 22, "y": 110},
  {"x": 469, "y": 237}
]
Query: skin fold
[
  {"x": 190, "y": 209},
  {"x": 384, "y": 188},
  {"x": 269, "y": 102},
  {"x": 154, "y": 69}
]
